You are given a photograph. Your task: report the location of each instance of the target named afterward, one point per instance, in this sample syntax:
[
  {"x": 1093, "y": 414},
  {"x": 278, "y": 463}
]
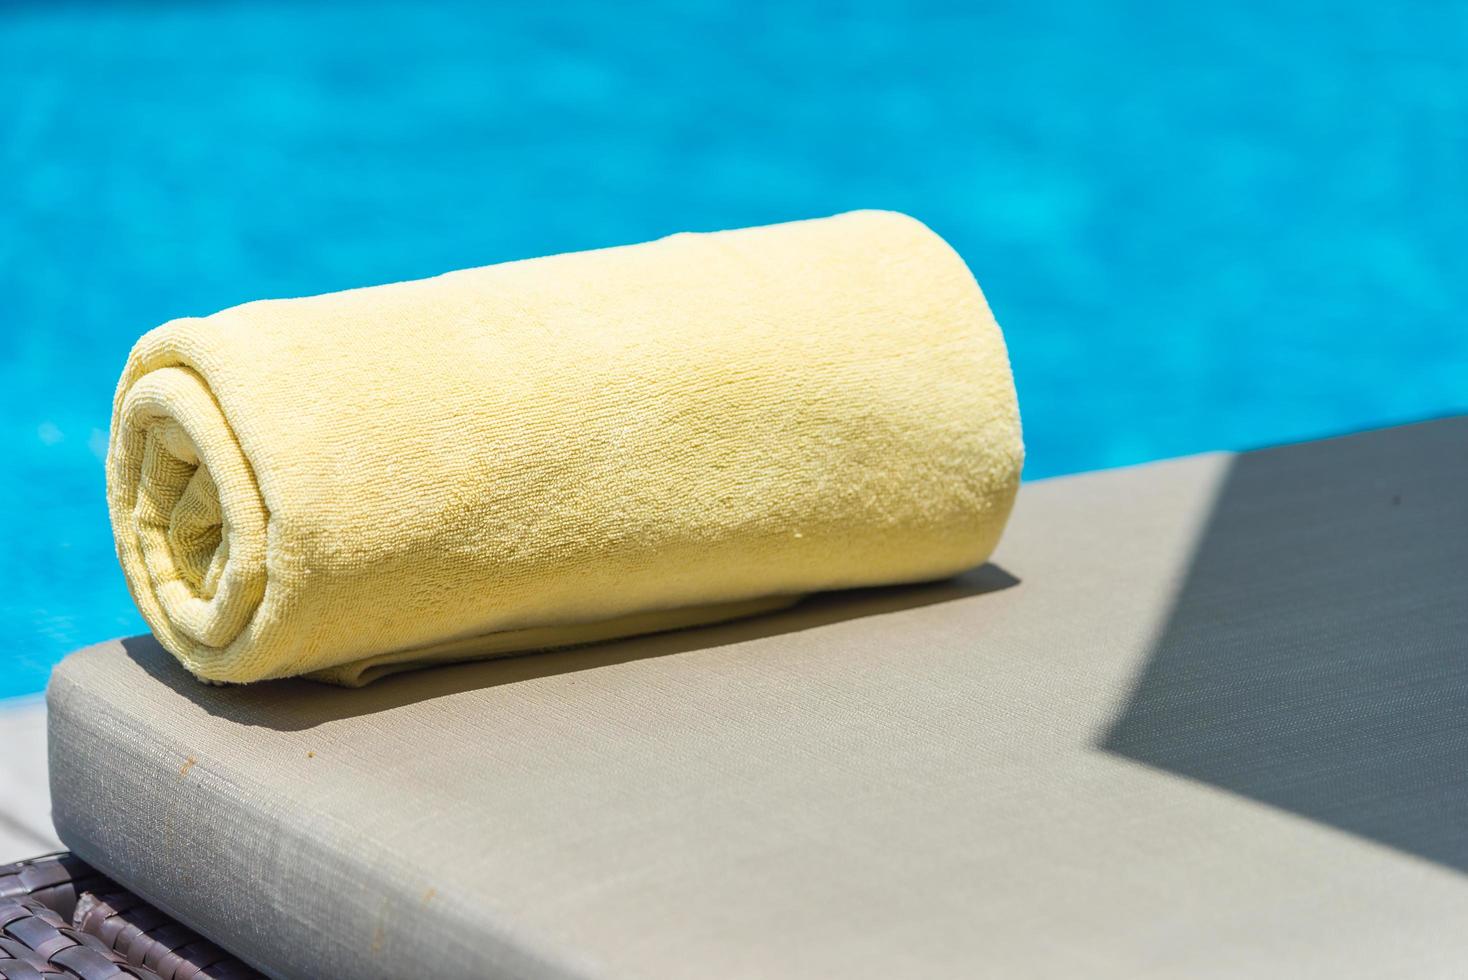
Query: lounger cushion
[{"x": 1202, "y": 717}]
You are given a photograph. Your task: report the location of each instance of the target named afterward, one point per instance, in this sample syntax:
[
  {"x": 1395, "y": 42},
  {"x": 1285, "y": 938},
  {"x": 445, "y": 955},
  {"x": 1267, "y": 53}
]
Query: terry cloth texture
[
  {"x": 561, "y": 450},
  {"x": 1203, "y": 718}
]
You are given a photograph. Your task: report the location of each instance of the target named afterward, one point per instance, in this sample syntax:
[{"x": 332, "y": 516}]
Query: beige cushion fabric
[{"x": 1201, "y": 717}]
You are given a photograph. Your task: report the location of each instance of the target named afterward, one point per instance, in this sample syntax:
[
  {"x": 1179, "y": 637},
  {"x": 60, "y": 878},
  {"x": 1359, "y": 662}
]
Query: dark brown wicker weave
[
  {"x": 40, "y": 944},
  {"x": 55, "y": 880},
  {"x": 143, "y": 936},
  {"x": 111, "y": 933}
]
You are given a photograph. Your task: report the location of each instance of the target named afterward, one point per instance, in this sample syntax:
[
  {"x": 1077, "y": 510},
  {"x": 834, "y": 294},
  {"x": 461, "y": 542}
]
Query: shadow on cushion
[
  {"x": 292, "y": 705},
  {"x": 1316, "y": 658}
]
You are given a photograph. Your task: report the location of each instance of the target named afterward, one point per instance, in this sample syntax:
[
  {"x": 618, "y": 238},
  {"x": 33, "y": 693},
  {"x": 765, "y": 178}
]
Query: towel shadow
[
  {"x": 1316, "y": 657},
  {"x": 293, "y": 705}
]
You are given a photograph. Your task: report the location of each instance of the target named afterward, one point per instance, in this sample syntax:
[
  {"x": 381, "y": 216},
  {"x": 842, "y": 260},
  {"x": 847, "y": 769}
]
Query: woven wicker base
[{"x": 60, "y": 918}]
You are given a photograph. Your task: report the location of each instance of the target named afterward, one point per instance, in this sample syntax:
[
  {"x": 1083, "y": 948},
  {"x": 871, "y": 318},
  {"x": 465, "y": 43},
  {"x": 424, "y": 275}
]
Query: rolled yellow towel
[{"x": 561, "y": 450}]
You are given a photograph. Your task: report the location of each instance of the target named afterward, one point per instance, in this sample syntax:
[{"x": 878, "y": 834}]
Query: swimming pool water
[{"x": 1202, "y": 226}]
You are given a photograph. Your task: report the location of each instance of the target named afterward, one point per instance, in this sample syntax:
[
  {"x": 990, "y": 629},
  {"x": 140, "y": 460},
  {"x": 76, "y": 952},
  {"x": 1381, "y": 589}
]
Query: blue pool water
[{"x": 1202, "y": 226}]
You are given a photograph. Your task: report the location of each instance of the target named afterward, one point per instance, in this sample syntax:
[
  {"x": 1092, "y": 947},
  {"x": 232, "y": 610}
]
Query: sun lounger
[{"x": 1204, "y": 716}]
